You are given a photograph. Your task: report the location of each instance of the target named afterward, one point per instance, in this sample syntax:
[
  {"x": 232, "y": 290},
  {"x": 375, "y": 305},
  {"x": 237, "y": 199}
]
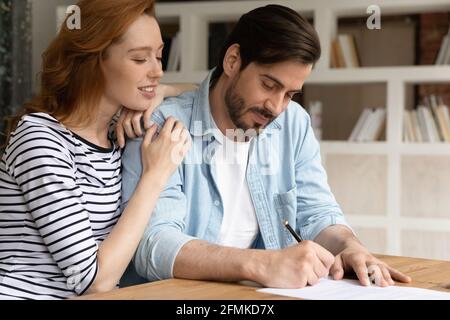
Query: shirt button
[{"x": 217, "y": 203}]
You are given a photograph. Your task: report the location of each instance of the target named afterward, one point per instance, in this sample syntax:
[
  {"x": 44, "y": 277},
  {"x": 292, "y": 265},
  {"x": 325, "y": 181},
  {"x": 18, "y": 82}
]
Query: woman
[{"x": 61, "y": 231}]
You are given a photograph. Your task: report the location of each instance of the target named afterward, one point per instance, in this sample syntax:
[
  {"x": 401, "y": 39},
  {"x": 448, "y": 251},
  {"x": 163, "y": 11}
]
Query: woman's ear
[{"x": 232, "y": 60}]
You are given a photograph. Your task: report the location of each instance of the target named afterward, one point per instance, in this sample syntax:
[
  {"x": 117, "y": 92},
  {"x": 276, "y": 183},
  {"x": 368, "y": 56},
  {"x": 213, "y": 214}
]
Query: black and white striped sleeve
[{"x": 42, "y": 166}]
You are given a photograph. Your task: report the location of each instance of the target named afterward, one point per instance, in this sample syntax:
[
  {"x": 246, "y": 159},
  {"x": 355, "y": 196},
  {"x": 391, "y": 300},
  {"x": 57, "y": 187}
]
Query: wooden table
[{"x": 428, "y": 274}]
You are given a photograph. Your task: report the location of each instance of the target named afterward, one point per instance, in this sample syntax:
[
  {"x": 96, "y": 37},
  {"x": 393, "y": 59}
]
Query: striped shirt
[{"x": 59, "y": 199}]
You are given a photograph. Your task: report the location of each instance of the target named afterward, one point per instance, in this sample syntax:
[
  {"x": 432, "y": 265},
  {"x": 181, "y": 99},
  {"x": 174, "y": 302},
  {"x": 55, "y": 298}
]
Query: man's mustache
[{"x": 264, "y": 112}]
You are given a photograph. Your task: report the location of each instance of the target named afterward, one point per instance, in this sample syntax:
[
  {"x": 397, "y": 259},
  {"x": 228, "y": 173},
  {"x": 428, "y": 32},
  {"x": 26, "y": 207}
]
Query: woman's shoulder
[
  {"x": 39, "y": 119},
  {"x": 40, "y": 122},
  {"x": 38, "y": 130}
]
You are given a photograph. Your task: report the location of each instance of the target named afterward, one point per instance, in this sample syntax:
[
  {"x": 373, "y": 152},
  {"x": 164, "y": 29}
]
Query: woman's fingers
[
  {"x": 127, "y": 126},
  {"x": 136, "y": 123},
  {"x": 168, "y": 127},
  {"x": 165, "y": 152},
  {"x": 177, "y": 131},
  {"x": 147, "y": 118},
  {"x": 120, "y": 134},
  {"x": 149, "y": 134}
]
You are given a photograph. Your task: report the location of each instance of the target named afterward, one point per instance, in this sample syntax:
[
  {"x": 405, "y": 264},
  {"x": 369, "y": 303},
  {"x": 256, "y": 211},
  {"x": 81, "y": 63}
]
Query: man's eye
[
  {"x": 265, "y": 85},
  {"x": 139, "y": 61}
]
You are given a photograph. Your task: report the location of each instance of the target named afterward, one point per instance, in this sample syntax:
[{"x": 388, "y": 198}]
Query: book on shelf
[
  {"x": 393, "y": 45},
  {"x": 344, "y": 53},
  {"x": 427, "y": 123},
  {"x": 415, "y": 121},
  {"x": 369, "y": 126},
  {"x": 433, "y": 104},
  {"x": 359, "y": 125},
  {"x": 337, "y": 57},
  {"x": 411, "y": 126},
  {"x": 443, "y": 56},
  {"x": 409, "y": 135},
  {"x": 444, "y": 121}
]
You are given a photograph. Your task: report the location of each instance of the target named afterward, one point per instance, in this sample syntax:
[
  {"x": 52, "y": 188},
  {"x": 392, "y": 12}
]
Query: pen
[{"x": 292, "y": 231}]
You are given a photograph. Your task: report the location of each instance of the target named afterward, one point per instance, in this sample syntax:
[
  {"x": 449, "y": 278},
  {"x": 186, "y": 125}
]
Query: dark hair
[{"x": 269, "y": 35}]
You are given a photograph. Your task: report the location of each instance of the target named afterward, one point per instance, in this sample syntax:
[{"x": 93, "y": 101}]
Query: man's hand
[
  {"x": 351, "y": 255},
  {"x": 357, "y": 258},
  {"x": 293, "y": 267}
]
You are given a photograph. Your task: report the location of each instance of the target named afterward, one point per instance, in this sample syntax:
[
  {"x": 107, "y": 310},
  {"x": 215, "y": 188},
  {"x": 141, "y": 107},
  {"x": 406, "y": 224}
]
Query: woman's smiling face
[{"x": 132, "y": 67}]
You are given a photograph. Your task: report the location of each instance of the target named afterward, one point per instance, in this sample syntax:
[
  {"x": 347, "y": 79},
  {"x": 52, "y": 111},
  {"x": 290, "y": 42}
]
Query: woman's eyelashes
[
  {"x": 139, "y": 60},
  {"x": 144, "y": 60}
]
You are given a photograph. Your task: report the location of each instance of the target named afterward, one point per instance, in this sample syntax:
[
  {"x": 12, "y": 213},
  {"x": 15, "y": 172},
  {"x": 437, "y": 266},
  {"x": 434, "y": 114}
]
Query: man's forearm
[
  {"x": 335, "y": 238},
  {"x": 201, "y": 260}
]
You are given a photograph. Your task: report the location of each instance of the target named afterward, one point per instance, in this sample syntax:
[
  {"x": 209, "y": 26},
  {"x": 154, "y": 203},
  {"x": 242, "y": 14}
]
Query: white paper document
[{"x": 328, "y": 289}]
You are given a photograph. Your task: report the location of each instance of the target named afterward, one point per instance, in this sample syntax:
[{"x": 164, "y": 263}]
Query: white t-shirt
[{"x": 239, "y": 225}]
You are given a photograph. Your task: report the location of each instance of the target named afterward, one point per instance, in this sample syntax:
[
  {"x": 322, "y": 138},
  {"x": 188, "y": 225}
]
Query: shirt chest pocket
[{"x": 286, "y": 208}]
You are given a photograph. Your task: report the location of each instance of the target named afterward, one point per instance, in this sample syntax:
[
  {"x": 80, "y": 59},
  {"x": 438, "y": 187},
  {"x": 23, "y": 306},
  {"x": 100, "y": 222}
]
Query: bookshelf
[{"x": 393, "y": 193}]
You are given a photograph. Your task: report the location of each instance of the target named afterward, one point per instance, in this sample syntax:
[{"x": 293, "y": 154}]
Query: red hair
[{"x": 72, "y": 80}]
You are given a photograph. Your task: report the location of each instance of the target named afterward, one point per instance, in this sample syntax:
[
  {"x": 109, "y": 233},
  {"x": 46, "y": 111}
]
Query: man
[{"x": 254, "y": 164}]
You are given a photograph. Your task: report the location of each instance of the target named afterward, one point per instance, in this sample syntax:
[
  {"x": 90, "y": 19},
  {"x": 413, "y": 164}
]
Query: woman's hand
[
  {"x": 129, "y": 122},
  {"x": 164, "y": 154}
]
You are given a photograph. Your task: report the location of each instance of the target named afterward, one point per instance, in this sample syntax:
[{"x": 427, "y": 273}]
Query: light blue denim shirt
[{"x": 285, "y": 177}]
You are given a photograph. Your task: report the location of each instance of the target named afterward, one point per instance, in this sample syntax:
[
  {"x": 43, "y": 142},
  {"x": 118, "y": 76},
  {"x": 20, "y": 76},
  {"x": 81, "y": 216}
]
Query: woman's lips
[{"x": 148, "y": 92}]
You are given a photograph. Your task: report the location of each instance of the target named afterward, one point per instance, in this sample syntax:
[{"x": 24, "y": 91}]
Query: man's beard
[{"x": 236, "y": 110}]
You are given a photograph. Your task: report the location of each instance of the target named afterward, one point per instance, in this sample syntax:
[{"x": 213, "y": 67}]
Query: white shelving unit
[{"x": 391, "y": 229}]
